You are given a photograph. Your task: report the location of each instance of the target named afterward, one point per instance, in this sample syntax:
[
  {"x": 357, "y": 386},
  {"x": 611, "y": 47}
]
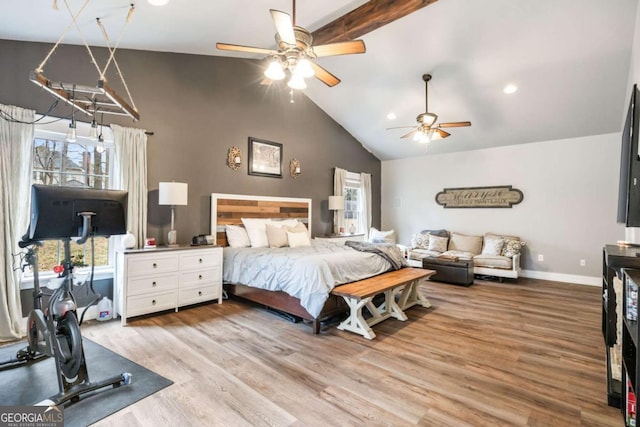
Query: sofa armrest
[{"x": 515, "y": 263}]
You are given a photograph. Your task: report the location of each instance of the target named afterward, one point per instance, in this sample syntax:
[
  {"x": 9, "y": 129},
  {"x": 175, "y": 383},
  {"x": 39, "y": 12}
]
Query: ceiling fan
[
  {"x": 295, "y": 53},
  {"x": 426, "y": 130}
]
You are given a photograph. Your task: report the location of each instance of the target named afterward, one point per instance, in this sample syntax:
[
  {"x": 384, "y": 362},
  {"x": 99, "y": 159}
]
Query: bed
[{"x": 258, "y": 274}]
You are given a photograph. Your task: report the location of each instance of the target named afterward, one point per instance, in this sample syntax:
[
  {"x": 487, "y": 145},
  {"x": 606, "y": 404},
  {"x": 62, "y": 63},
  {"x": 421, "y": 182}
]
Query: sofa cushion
[
  {"x": 502, "y": 236},
  {"x": 437, "y": 243},
  {"x": 464, "y": 243},
  {"x": 460, "y": 254},
  {"x": 418, "y": 254},
  {"x": 512, "y": 247},
  {"x": 492, "y": 245},
  {"x": 493, "y": 261},
  {"x": 440, "y": 233}
]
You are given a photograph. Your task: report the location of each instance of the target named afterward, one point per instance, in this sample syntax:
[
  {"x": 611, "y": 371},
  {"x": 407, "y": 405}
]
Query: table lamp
[
  {"x": 336, "y": 203},
  {"x": 174, "y": 194}
]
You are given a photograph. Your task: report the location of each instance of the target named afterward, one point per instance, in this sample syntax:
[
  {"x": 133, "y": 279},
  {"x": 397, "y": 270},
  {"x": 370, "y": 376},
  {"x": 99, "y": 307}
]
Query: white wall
[{"x": 568, "y": 213}]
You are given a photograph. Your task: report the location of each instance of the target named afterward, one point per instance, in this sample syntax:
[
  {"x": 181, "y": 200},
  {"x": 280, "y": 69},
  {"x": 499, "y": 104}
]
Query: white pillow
[
  {"x": 285, "y": 222},
  {"x": 257, "y": 231},
  {"x": 297, "y": 240},
  {"x": 377, "y": 236},
  {"x": 237, "y": 236}
]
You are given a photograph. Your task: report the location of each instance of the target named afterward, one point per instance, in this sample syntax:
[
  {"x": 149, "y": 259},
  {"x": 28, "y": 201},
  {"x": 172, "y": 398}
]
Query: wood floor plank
[{"x": 520, "y": 353}]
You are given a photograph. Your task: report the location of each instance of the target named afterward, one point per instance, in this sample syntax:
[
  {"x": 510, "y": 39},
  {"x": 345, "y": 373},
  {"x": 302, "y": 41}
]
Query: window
[
  {"x": 352, "y": 204},
  {"x": 83, "y": 164}
]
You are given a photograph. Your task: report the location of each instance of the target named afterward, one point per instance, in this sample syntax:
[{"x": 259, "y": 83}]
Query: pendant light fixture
[{"x": 71, "y": 133}]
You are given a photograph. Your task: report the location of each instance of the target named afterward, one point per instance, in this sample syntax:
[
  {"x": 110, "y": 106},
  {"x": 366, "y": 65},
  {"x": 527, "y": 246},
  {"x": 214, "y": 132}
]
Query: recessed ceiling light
[
  {"x": 510, "y": 88},
  {"x": 391, "y": 116},
  {"x": 158, "y": 2}
]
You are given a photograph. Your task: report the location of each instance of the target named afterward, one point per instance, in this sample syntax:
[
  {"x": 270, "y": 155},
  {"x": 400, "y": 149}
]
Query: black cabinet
[
  {"x": 614, "y": 259},
  {"x": 630, "y": 362}
]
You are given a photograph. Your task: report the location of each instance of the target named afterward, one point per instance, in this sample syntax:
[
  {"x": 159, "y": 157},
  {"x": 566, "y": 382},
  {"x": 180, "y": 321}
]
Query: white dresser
[{"x": 152, "y": 280}]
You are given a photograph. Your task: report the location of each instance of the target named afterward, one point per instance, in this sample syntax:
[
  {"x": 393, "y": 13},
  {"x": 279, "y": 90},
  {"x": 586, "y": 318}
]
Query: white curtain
[
  {"x": 130, "y": 173},
  {"x": 365, "y": 191},
  {"x": 339, "y": 181},
  {"x": 16, "y": 163}
]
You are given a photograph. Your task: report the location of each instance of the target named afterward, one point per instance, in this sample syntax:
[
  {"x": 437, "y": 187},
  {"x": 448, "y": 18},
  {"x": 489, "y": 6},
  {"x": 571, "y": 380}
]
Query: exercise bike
[{"x": 55, "y": 332}]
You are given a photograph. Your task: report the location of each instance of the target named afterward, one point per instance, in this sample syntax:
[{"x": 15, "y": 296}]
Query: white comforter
[{"x": 307, "y": 273}]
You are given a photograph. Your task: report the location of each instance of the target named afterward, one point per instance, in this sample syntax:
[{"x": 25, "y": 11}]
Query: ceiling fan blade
[
  {"x": 454, "y": 124},
  {"x": 343, "y": 48},
  {"x": 413, "y": 132},
  {"x": 323, "y": 75},
  {"x": 249, "y": 49},
  {"x": 284, "y": 26},
  {"x": 401, "y": 127},
  {"x": 442, "y": 133}
]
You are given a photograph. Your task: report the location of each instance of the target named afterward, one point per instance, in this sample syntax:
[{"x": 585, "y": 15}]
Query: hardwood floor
[{"x": 524, "y": 353}]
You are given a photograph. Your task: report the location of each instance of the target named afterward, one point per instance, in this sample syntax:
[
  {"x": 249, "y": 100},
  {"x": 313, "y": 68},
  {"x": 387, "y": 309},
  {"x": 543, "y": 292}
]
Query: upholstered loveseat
[{"x": 492, "y": 254}]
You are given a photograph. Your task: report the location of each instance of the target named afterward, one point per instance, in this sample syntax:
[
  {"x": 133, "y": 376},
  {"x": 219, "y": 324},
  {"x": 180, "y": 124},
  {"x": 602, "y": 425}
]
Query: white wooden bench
[{"x": 359, "y": 295}]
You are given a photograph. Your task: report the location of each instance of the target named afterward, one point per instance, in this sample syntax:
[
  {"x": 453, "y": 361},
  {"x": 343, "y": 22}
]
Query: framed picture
[{"x": 265, "y": 158}]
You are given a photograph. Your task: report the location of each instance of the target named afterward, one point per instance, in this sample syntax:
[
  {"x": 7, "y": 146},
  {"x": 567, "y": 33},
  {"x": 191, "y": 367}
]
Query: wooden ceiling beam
[{"x": 366, "y": 18}]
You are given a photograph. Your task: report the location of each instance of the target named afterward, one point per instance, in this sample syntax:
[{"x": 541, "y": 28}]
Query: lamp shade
[
  {"x": 172, "y": 193},
  {"x": 336, "y": 203}
]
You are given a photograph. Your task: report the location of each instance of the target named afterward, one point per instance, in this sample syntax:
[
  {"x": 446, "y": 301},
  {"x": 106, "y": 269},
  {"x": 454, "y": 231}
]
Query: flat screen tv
[
  {"x": 629, "y": 188},
  {"x": 54, "y": 212}
]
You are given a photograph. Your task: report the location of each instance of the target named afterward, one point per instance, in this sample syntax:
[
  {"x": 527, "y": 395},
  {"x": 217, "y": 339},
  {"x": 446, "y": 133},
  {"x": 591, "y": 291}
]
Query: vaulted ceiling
[{"x": 569, "y": 58}]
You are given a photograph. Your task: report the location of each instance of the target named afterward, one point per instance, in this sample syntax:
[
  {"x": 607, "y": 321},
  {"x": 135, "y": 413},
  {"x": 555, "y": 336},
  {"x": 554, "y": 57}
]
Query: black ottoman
[{"x": 459, "y": 272}]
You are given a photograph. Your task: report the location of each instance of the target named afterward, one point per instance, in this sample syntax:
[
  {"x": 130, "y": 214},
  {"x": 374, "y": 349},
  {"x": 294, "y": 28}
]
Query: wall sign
[{"x": 479, "y": 197}]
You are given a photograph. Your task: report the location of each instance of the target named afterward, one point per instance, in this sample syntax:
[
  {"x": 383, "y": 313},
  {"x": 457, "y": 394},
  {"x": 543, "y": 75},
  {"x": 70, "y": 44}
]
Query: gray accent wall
[{"x": 198, "y": 107}]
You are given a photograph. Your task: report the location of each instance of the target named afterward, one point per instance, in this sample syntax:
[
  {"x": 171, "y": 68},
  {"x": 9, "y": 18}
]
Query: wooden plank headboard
[{"x": 229, "y": 209}]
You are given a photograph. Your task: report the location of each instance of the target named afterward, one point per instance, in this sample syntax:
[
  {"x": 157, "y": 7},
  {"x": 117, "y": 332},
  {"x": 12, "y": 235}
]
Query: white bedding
[{"x": 307, "y": 273}]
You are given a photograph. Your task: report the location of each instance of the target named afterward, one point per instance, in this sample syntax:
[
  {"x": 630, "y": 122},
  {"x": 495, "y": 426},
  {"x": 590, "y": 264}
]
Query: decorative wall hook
[
  {"x": 234, "y": 159},
  {"x": 294, "y": 168}
]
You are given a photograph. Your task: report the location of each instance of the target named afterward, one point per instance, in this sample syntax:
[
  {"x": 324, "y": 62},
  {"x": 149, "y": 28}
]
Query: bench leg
[
  {"x": 355, "y": 322},
  {"x": 392, "y": 307},
  {"x": 411, "y": 295}
]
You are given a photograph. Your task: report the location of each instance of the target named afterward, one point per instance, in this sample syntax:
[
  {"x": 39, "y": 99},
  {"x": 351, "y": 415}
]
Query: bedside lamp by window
[
  {"x": 174, "y": 194},
  {"x": 336, "y": 203}
]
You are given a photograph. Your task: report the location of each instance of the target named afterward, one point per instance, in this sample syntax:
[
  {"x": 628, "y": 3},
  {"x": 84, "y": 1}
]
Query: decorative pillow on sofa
[
  {"x": 464, "y": 243},
  {"x": 420, "y": 240},
  {"x": 512, "y": 247},
  {"x": 492, "y": 245},
  {"x": 437, "y": 243},
  {"x": 377, "y": 236}
]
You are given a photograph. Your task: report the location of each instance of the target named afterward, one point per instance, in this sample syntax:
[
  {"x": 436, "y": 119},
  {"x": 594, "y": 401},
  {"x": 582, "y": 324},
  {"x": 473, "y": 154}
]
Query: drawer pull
[
  {"x": 199, "y": 293},
  {"x": 153, "y": 302},
  {"x": 199, "y": 276},
  {"x": 155, "y": 265},
  {"x": 200, "y": 260},
  {"x": 154, "y": 284}
]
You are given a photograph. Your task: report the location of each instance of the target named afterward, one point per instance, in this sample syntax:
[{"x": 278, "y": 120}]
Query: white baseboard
[{"x": 560, "y": 277}]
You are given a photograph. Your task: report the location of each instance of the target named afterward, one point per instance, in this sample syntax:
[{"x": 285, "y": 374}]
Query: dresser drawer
[
  {"x": 200, "y": 259},
  {"x": 199, "y": 294},
  {"x": 202, "y": 277},
  {"x": 145, "y": 264},
  {"x": 152, "y": 283},
  {"x": 149, "y": 303}
]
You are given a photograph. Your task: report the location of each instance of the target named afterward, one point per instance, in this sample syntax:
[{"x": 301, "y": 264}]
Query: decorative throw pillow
[
  {"x": 492, "y": 245},
  {"x": 292, "y": 222},
  {"x": 299, "y": 228},
  {"x": 420, "y": 240},
  {"x": 512, "y": 247},
  {"x": 237, "y": 236},
  {"x": 297, "y": 240},
  {"x": 437, "y": 243},
  {"x": 257, "y": 231},
  {"x": 377, "y": 236},
  {"x": 277, "y": 235}
]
